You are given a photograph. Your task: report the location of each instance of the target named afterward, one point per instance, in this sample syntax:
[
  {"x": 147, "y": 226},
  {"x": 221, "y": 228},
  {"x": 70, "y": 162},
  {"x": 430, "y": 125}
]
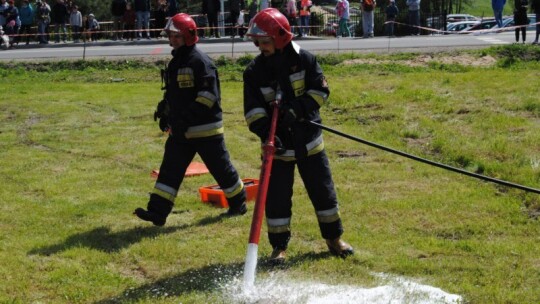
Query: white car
[{"x": 456, "y": 27}]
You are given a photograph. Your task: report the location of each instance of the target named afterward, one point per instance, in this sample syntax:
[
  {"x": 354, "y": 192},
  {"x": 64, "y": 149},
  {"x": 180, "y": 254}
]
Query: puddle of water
[{"x": 278, "y": 289}]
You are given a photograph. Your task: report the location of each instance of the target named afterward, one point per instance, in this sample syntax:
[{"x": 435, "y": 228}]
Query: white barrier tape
[{"x": 478, "y": 32}]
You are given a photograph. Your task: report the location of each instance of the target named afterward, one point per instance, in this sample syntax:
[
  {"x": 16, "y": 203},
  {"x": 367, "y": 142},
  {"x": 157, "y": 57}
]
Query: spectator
[
  {"x": 12, "y": 22},
  {"x": 26, "y": 14},
  {"x": 129, "y": 22},
  {"x": 305, "y": 13},
  {"x": 93, "y": 27},
  {"x": 160, "y": 15},
  {"x": 342, "y": 10},
  {"x": 44, "y": 19},
  {"x": 253, "y": 8},
  {"x": 75, "y": 19},
  {"x": 173, "y": 8},
  {"x": 235, "y": 6},
  {"x": 368, "y": 6},
  {"x": 3, "y": 7},
  {"x": 142, "y": 10},
  {"x": 391, "y": 14},
  {"x": 59, "y": 14},
  {"x": 291, "y": 13},
  {"x": 498, "y": 6},
  {"x": 520, "y": 18},
  {"x": 264, "y": 5},
  {"x": 414, "y": 16},
  {"x": 535, "y": 8},
  {"x": 118, "y": 8},
  {"x": 211, "y": 8}
]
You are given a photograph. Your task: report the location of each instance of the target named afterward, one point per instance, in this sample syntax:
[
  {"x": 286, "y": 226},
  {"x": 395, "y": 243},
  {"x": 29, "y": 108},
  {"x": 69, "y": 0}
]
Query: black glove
[
  {"x": 280, "y": 150},
  {"x": 162, "y": 112},
  {"x": 290, "y": 112}
]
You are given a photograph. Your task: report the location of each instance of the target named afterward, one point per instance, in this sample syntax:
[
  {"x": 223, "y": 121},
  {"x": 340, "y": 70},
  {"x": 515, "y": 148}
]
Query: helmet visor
[{"x": 255, "y": 31}]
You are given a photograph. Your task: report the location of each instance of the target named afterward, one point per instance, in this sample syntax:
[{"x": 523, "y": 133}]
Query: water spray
[
  {"x": 260, "y": 202},
  {"x": 423, "y": 160}
]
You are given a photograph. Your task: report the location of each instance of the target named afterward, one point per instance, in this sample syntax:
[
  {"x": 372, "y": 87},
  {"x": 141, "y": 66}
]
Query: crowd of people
[{"x": 62, "y": 21}]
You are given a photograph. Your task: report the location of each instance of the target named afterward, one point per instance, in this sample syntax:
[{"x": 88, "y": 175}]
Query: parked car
[
  {"x": 456, "y": 27},
  {"x": 532, "y": 21},
  {"x": 450, "y": 18}
]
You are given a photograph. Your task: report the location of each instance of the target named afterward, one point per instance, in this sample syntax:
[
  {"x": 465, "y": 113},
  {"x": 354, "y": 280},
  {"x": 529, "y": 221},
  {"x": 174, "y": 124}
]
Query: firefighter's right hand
[
  {"x": 164, "y": 124},
  {"x": 162, "y": 110}
]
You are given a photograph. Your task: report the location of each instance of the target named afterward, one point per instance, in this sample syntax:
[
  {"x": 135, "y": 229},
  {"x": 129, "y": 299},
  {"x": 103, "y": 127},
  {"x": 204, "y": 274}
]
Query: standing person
[
  {"x": 173, "y": 8},
  {"x": 75, "y": 19},
  {"x": 43, "y": 20},
  {"x": 129, "y": 22},
  {"x": 211, "y": 9},
  {"x": 344, "y": 15},
  {"x": 142, "y": 10},
  {"x": 264, "y": 5},
  {"x": 498, "y": 6},
  {"x": 253, "y": 9},
  {"x": 160, "y": 16},
  {"x": 93, "y": 27},
  {"x": 535, "y": 8},
  {"x": 235, "y": 6},
  {"x": 291, "y": 13},
  {"x": 520, "y": 18},
  {"x": 13, "y": 22},
  {"x": 283, "y": 66},
  {"x": 414, "y": 16},
  {"x": 191, "y": 110},
  {"x": 26, "y": 14},
  {"x": 118, "y": 8},
  {"x": 391, "y": 13},
  {"x": 305, "y": 13},
  {"x": 59, "y": 14},
  {"x": 368, "y": 20}
]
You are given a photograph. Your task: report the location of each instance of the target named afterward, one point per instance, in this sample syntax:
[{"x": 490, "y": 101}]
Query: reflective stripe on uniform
[
  {"x": 207, "y": 130},
  {"x": 185, "y": 78},
  {"x": 319, "y": 96},
  {"x": 298, "y": 82},
  {"x": 328, "y": 216},
  {"x": 167, "y": 192},
  {"x": 255, "y": 114},
  {"x": 234, "y": 190},
  {"x": 206, "y": 98},
  {"x": 278, "y": 225},
  {"x": 313, "y": 147},
  {"x": 268, "y": 93}
]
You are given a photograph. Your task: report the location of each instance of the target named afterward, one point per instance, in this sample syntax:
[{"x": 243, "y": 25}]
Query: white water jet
[{"x": 250, "y": 266}]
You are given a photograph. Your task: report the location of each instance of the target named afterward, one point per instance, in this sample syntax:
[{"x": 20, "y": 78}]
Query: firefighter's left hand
[{"x": 164, "y": 124}]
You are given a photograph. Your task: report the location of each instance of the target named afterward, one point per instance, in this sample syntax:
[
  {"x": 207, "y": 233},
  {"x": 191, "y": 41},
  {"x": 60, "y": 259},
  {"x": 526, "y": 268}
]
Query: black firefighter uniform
[
  {"x": 195, "y": 117},
  {"x": 299, "y": 77}
]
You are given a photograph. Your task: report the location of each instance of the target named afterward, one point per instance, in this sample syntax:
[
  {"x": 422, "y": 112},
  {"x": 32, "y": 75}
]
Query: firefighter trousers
[
  {"x": 179, "y": 154},
  {"x": 315, "y": 173}
]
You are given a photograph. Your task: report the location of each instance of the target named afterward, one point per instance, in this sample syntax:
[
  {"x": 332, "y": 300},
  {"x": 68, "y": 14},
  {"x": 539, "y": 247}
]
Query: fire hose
[{"x": 426, "y": 161}]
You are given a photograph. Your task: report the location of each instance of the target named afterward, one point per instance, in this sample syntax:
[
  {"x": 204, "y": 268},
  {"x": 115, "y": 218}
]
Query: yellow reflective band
[
  {"x": 279, "y": 229},
  {"x": 298, "y": 83},
  {"x": 204, "y": 133},
  {"x": 328, "y": 218},
  {"x": 205, "y": 101},
  {"x": 318, "y": 96},
  {"x": 231, "y": 193},
  {"x": 164, "y": 194},
  {"x": 316, "y": 149}
]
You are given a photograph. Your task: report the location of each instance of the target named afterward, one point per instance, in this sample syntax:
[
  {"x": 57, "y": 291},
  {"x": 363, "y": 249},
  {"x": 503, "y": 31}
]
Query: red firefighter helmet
[
  {"x": 185, "y": 25},
  {"x": 271, "y": 23}
]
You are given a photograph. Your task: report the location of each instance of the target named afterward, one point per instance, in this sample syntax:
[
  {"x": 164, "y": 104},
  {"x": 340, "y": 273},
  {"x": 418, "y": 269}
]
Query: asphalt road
[{"x": 237, "y": 47}]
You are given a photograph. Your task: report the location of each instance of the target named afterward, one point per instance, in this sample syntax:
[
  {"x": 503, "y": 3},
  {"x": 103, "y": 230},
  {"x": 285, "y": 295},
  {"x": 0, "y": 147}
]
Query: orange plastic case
[{"x": 214, "y": 195}]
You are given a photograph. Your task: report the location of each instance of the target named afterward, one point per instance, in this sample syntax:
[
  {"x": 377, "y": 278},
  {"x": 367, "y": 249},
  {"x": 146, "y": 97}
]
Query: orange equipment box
[{"x": 213, "y": 194}]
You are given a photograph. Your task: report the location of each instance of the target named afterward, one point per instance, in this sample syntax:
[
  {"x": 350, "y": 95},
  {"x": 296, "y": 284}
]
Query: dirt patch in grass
[{"x": 426, "y": 59}]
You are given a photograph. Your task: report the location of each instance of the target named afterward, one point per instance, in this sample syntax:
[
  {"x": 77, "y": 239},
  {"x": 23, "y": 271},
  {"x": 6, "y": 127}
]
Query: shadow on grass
[
  {"x": 103, "y": 239},
  {"x": 203, "y": 280}
]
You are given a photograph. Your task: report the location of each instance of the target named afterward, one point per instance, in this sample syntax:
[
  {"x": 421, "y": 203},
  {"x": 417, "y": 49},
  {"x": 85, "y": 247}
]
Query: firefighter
[
  {"x": 191, "y": 112},
  {"x": 284, "y": 67}
]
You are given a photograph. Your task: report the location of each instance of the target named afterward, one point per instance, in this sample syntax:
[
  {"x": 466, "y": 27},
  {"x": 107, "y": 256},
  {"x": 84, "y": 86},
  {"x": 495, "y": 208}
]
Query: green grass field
[{"x": 78, "y": 144}]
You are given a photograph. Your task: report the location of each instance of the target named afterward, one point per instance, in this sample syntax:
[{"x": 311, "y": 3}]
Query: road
[{"x": 227, "y": 47}]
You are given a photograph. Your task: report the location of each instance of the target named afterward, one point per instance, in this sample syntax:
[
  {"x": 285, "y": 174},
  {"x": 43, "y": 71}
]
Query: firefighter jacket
[
  {"x": 193, "y": 95},
  {"x": 299, "y": 77}
]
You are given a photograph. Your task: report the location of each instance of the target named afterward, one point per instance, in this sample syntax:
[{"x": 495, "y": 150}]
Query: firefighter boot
[
  {"x": 158, "y": 210},
  {"x": 339, "y": 248},
  {"x": 278, "y": 256},
  {"x": 236, "y": 210}
]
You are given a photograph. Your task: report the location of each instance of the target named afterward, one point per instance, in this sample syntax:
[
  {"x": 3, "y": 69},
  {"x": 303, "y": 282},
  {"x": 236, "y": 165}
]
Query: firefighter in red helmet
[
  {"x": 191, "y": 112},
  {"x": 283, "y": 66}
]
